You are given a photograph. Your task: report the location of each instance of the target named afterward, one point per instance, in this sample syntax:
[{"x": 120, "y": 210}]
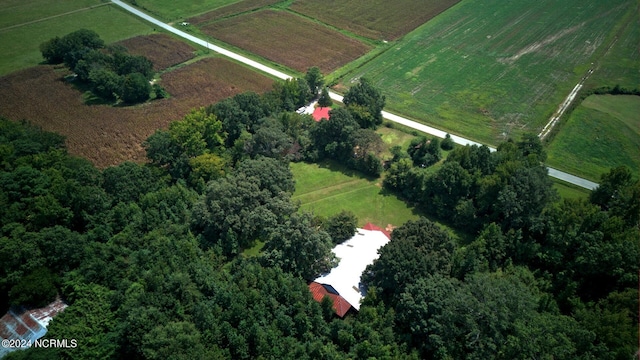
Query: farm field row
[
  {"x": 163, "y": 50},
  {"x": 377, "y": 19},
  {"x": 109, "y": 135},
  {"x": 620, "y": 64},
  {"x": 20, "y": 45},
  {"x": 489, "y": 69},
  {"x": 603, "y": 132},
  {"x": 288, "y": 39}
]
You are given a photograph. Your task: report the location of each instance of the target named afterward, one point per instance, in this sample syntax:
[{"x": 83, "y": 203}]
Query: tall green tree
[
  {"x": 417, "y": 249},
  {"x": 300, "y": 249},
  {"x": 315, "y": 80},
  {"x": 365, "y": 102}
]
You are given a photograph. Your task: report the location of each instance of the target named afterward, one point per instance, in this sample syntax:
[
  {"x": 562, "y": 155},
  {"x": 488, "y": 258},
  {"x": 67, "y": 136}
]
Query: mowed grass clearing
[
  {"x": 602, "y": 133},
  {"x": 109, "y": 135},
  {"x": 490, "y": 70},
  {"x": 288, "y": 39},
  {"x": 377, "y": 19},
  {"x": 21, "y": 45},
  {"x": 328, "y": 188}
]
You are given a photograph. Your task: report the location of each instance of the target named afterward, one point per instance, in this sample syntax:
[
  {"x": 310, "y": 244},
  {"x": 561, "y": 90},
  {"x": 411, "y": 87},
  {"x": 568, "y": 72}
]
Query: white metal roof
[{"x": 354, "y": 254}]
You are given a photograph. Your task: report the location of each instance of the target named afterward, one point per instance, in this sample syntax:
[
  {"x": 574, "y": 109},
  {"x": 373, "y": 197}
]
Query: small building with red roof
[
  {"x": 342, "y": 284},
  {"x": 321, "y": 113}
]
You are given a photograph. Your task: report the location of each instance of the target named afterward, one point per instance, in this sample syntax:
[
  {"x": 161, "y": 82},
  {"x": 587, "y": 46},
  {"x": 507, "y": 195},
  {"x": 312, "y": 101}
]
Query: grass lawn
[
  {"x": 20, "y": 45},
  {"x": 171, "y": 10},
  {"x": 603, "y": 132},
  {"x": 392, "y": 137},
  {"x": 328, "y": 188},
  {"x": 492, "y": 69}
]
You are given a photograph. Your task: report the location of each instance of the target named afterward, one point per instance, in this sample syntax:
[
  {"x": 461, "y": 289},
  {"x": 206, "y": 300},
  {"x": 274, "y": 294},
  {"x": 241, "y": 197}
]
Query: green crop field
[
  {"x": 620, "y": 64},
  {"x": 603, "y": 132},
  {"x": 20, "y": 45},
  {"x": 493, "y": 69},
  {"x": 172, "y": 10}
]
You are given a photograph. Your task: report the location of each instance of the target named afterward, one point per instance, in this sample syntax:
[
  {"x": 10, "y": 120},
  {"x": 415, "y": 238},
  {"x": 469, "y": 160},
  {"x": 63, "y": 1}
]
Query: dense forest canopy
[{"x": 151, "y": 257}]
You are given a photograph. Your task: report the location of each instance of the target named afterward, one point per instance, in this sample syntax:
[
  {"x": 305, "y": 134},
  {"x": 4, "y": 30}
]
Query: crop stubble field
[
  {"x": 20, "y": 45},
  {"x": 374, "y": 19},
  {"x": 288, "y": 39},
  {"x": 603, "y": 132},
  {"x": 493, "y": 69},
  {"x": 109, "y": 135},
  {"x": 233, "y": 9},
  {"x": 163, "y": 50}
]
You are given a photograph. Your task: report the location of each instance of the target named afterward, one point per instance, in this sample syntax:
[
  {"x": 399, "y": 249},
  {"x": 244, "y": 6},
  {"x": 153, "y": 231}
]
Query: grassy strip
[
  {"x": 21, "y": 45},
  {"x": 570, "y": 191}
]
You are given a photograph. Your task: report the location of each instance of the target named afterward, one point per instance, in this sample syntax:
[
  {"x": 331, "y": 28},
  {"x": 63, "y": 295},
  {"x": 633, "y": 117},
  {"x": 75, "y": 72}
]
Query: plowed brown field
[
  {"x": 375, "y": 19},
  {"x": 109, "y": 135},
  {"x": 237, "y": 8},
  {"x": 288, "y": 39},
  {"x": 163, "y": 50}
]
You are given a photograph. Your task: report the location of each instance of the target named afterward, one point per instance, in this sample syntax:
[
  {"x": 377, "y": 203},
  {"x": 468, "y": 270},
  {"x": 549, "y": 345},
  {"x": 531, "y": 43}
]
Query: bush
[
  {"x": 447, "y": 143},
  {"x": 135, "y": 88}
]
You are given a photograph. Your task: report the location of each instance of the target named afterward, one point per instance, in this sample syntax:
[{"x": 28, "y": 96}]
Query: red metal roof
[
  {"x": 321, "y": 113},
  {"x": 370, "y": 226},
  {"x": 340, "y": 305}
]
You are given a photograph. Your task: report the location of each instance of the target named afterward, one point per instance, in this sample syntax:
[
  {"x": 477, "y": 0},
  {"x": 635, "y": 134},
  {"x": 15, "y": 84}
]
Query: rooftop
[{"x": 354, "y": 255}]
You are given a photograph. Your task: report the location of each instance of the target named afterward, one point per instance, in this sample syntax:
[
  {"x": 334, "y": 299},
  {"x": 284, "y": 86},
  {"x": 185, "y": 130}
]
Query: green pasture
[
  {"x": 492, "y": 69},
  {"x": 603, "y": 132},
  {"x": 20, "y": 45},
  {"x": 328, "y": 188},
  {"x": 172, "y": 10}
]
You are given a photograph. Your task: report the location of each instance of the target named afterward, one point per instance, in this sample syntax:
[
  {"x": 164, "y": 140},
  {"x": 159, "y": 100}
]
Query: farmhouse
[
  {"x": 342, "y": 284},
  {"x": 27, "y": 327}
]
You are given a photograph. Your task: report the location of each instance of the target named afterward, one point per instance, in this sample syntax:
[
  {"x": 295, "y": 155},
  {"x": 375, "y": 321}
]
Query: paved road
[{"x": 387, "y": 115}]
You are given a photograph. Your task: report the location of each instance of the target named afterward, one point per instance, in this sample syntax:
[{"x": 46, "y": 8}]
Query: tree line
[
  {"x": 152, "y": 258},
  {"x": 109, "y": 71}
]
